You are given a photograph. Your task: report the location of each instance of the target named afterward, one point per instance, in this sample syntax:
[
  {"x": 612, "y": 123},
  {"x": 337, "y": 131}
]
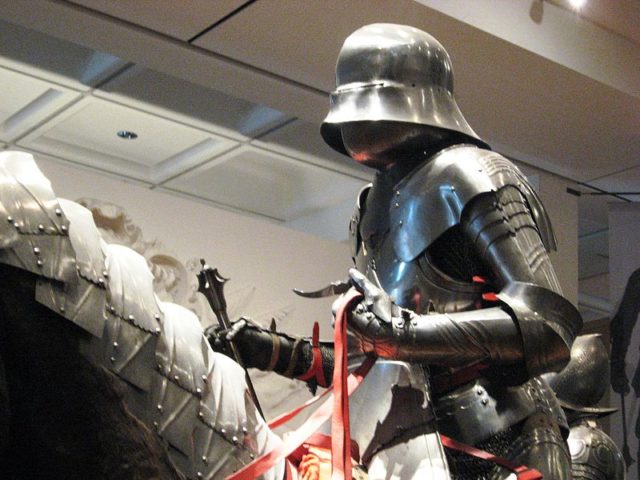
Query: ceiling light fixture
[
  {"x": 577, "y": 4},
  {"x": 127, "y": 135}
]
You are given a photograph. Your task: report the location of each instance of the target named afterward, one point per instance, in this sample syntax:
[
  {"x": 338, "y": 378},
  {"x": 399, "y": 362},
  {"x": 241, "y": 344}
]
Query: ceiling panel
[
  {"x": 621, "y": 16},
  {"x": 87, "y": 133},
  {"x": 56, "y": 60},
  {"x": 627, "y": 180},
  {"x": 267, "y": 184},
  {"x": 274, "y": 34},
  {"x": 302, "y": 140},
  {"x": 183, "y": 20},
  {"x": 26, "y": 101},
  {"x": 193, "y": 104}
]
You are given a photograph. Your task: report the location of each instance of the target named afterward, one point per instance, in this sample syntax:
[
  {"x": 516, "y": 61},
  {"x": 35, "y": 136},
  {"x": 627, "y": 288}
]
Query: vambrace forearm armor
[{"x": 534, "y": 327}]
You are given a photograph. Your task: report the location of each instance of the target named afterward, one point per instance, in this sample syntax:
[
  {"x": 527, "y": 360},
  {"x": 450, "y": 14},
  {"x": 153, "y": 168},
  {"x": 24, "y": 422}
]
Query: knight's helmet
[{"x": 394, "y": 73}]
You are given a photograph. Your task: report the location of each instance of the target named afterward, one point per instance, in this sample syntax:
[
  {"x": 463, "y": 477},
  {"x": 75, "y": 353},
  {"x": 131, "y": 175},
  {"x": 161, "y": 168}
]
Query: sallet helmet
[{"x": 394, "y": 73}]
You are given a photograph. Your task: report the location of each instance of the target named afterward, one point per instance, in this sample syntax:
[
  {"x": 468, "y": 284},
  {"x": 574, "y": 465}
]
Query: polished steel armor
[
  {"x": 396, "y": 73},
  {"x": 594, "y": 455},
  {"x": 459, "y": 240},
  {"x": 579, "y": 387},
  {"x": 171, "y": 380}
]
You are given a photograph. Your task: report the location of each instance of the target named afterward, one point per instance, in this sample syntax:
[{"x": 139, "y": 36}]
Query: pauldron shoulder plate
[{"x": 432, "y": 199}]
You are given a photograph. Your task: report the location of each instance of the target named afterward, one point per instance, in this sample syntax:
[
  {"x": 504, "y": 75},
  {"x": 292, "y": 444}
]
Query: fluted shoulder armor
[
  {"x": 434, "y": 196},
  {"x": 193, "y": 398}
]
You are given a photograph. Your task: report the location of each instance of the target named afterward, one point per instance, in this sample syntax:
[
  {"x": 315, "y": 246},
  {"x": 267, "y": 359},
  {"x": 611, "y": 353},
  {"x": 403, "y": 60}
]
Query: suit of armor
[{"x": 450, "y": 244}]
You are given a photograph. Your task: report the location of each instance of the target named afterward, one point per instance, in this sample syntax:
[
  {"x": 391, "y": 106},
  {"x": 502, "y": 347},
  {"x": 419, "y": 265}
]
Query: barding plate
[
  {"x": 130, "y": 293},
  {"x": 82, "y": 300},
  {"x": 234, "y": 433},
  {"x": 182, "y": 351},
  {"x": 42, "y": 246}
]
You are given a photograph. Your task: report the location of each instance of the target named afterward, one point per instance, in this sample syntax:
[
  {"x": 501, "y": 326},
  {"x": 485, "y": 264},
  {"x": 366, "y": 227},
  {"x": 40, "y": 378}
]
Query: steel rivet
[
  {"x": 198, "y": 390},
  {"x": 485, "y": 401},
  {"x": 479, "y": 391},
  {"x": 115, "y": 344},
  {"x": 397, "y": 193},
  {"x": 113, "y": 309},
  {"x": 159, "y": 407},
  {"x": 58, "y": 212},
  {"x": 40, "y": 263},
  {"x": 62, "y": 309},
  {"x": 64, "y": 228},
  {"x": 244, "y": 430},
  {"x": 204, "y": 459},
  {"x": 36, "y": 250},
  {"x": 157, "y": 317},
  {"x": 400, "y": 222},
  {"x": 176, "y": 378},
  {"x": 200, "y": 415},
  {"x": 105, "y": 274},
  {"x": 113, "y": 359},
  {"x": 252, "y": 456},
  {"x": 10, "y": 219},
  {"x": 155, "y": 424},
  {"x": 453, "y": 189},
  {"x": 204, "y": 378},
  {"x": 131, "y": 318},
  {"x": 41, "y": 227},
  {"x": 199, "y": 474},
  {"x": 223, "y": 431},
  {"x": 397, "y": 205},
  {"x": 234, "y": 439},
  {"x": 158, "y": 331}
]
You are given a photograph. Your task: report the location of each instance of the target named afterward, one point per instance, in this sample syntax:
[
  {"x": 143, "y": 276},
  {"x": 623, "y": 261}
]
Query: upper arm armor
[{"x": 434, "y": 197}]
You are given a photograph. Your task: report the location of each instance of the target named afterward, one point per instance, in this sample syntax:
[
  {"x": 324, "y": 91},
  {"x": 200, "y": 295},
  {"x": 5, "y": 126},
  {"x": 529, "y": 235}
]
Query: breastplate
[{"x": 417, "y": 284}]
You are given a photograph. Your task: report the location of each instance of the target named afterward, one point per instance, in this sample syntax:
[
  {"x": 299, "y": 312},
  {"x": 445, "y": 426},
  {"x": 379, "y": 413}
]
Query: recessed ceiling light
[
  {"x": 127, "y": 135},
  {"x": 577, "y": 4}
]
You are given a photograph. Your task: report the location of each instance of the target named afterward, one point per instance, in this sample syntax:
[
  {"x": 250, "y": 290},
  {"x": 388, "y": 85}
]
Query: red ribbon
[{"x": 347, "y": 384}]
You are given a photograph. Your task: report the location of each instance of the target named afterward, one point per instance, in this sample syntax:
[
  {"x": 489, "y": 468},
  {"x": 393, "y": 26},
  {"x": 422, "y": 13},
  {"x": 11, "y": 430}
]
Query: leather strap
[{"x": 315, "y": 370}]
